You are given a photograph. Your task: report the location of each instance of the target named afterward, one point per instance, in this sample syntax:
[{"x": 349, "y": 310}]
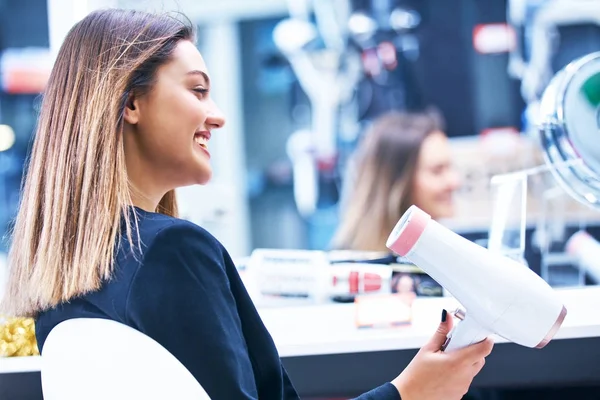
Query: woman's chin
[
  {"x": 201, "y": 177},
  {"x": 204, "y": 178}
]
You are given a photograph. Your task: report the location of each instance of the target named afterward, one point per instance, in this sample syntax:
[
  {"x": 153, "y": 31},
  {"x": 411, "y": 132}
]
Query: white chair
[{"x": 99, "y": 359}]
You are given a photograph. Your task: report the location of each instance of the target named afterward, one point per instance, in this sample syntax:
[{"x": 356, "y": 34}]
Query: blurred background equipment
[
  {"x": 557, "y": 61},
  {"x": 352, "y": 59},
  {"x": 410, "y": 55},
  {"x": 551, "y": 34}
]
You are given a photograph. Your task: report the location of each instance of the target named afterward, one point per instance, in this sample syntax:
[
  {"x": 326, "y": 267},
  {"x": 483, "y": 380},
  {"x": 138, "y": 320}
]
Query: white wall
[
  {"x": 209, "y": 11},
  {"x": 63, "y": 14},
  {"x": 221, "y": 51}
]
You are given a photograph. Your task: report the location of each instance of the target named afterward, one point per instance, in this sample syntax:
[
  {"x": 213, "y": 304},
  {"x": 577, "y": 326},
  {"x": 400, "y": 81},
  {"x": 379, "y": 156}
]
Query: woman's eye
[
  {"x": 438, "y": 170},
  {"x": 203, "y": 92}
]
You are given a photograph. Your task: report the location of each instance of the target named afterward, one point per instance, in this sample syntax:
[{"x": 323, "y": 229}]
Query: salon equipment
[
  {"x": 558, "y": 62},
  {"x": 551, "y": 33},
  {"x": 500, "y": 295},
  {"x": 313, "y": 276},
  {"x": 327, "y": 72},
  {"x": 569, "y": 124},
  {"x": 352, "y": 60}
]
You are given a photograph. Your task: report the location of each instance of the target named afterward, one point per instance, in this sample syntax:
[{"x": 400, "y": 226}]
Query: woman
[
  {"x": 404, "y": 159},
  {"x": 126, "y": 119}
]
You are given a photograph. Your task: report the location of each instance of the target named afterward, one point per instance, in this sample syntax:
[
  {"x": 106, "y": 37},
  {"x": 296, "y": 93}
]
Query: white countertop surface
[
  {"x": 304, "y": 330},
  {"x": 330, "y": 329}
]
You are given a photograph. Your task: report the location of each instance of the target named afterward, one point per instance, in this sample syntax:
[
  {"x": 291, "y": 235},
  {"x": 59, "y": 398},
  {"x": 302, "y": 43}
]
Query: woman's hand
[{"x": 434, "y": 375}]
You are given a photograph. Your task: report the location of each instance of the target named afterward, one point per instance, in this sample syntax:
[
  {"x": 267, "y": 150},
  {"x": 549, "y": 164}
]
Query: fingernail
[{"x": 444, "y": 315}]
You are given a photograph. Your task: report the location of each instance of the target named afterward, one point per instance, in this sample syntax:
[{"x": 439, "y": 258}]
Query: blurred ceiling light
[
  {"x": 7, "y": 137},
  {"x": 402, "y": 19},
  {"x": 361, "y": 24},
  {"x": 291, "y": 35}
]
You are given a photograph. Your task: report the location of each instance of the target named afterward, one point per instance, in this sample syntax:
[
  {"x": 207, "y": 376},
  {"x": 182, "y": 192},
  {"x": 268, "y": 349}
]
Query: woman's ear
[{"x": 131, "y": 113}]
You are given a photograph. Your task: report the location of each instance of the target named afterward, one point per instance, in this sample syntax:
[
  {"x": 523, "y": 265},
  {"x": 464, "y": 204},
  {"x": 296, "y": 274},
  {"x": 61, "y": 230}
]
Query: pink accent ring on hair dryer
[{"x": 500, "y": 295}]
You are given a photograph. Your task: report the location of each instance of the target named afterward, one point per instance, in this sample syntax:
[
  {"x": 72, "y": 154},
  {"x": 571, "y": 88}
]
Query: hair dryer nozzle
[
  {"x": 408, "y": 230},
  {"x": 550, "y": 335}
]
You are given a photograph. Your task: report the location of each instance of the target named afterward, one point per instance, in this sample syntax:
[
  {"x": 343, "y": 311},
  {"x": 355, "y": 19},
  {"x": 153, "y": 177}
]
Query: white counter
[{"x": 330, "y": 329}]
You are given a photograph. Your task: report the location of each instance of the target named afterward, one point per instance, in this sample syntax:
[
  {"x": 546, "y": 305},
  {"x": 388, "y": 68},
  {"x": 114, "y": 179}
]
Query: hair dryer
[{"x": 500, "y": 295}]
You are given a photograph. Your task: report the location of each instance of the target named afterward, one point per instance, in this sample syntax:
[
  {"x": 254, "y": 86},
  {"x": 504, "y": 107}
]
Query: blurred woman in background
[{"x": 404, "y": 159}]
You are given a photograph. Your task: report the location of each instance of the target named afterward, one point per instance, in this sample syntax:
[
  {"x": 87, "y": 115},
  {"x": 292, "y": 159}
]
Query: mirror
[{"x": 569, "y": 127}]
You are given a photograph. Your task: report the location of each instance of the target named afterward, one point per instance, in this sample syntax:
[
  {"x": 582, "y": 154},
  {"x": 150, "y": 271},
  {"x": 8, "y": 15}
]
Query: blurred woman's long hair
[
  {"x": 76, "y": 191},
  {"x": 382, "y": 190}
]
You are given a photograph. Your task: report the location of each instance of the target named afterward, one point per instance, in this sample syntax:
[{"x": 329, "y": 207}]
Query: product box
[{"x": 407, "y": 278}]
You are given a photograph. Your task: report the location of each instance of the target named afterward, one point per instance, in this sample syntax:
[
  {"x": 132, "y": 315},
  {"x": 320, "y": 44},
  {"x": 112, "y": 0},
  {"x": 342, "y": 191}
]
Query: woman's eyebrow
[{"x": 202, "y": 74}]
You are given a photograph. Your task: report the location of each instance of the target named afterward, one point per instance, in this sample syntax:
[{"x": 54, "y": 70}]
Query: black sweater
[{"x": 184, "y": 291}]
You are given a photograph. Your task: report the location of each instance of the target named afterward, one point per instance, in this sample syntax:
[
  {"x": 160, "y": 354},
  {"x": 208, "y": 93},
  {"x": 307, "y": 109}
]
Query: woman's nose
[
  {"x": 454, "y": 180},
  {"x": 215, "y": 118}
]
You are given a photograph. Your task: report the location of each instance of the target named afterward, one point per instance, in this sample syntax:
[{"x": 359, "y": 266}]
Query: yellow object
[{"x": 17, "y": 337}]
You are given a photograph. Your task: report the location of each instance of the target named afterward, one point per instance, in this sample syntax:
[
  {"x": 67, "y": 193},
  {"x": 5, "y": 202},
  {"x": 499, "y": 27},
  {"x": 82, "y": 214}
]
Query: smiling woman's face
[{"x": 168, "y": 129}]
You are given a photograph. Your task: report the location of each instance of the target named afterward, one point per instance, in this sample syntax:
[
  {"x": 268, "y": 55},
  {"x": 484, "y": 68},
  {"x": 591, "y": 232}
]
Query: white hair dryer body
[{"x": 500, "y": 295}]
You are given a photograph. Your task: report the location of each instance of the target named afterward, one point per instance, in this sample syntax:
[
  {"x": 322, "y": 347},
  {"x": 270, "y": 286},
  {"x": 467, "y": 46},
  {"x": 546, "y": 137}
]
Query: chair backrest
[{"x": 95, "y": 359}]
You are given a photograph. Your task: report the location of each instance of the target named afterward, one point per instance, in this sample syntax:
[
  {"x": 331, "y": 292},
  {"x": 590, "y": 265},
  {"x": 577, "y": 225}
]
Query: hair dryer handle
[{"x": 465, "y": 333}]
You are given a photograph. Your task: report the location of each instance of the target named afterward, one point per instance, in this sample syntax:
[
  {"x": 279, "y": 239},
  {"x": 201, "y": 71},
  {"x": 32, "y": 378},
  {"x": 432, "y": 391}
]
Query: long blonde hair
[
  {"x": 76, "y": 189},
  {"x": 383, "y": 189}
]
